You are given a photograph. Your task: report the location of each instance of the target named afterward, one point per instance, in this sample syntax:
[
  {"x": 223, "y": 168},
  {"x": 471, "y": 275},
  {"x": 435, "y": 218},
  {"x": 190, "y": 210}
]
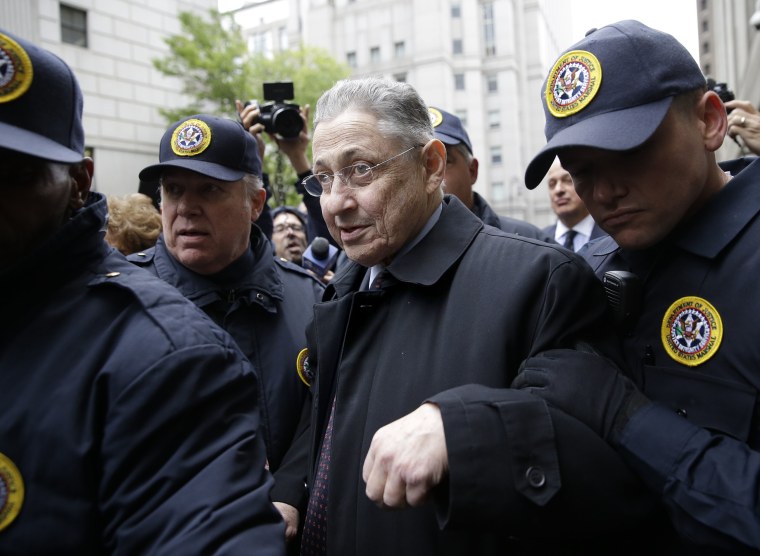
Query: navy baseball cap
[
  {"x": 216, "y": 147},
  {"x": 40, "y": 103},
  {"x": 448, "y": 128},
  {"x": 611, "y": 90}
]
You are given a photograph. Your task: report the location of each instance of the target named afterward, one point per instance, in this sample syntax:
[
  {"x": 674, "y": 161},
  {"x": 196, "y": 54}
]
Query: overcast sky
[{"x": 677, "y": 17}]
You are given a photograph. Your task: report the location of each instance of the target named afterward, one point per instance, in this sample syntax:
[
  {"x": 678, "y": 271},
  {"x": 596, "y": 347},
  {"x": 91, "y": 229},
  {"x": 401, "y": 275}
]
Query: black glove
[{"x": 584, "y": 385}]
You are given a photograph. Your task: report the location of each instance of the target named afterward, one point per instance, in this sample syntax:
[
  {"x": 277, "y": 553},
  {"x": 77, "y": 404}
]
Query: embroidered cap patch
[{"x": 573, "y": 83}]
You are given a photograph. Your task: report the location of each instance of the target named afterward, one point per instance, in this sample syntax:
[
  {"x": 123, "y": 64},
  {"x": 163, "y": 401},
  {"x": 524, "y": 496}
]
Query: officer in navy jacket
[
  {"x": 685, "y": 235},
  {"x": 412, "y": 405},
  {"x": 212, "y": 252},
  {"x": 130, "y": 422}
]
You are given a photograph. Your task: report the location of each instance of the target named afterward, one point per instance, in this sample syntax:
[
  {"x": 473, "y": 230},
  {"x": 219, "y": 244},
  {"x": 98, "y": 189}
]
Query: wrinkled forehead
[
  {"x": 286, "y": 218},
  {"x": 350, "y": 132}
]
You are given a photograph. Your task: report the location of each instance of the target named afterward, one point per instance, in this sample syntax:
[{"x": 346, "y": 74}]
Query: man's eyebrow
[{"x": 344, "y": 155}]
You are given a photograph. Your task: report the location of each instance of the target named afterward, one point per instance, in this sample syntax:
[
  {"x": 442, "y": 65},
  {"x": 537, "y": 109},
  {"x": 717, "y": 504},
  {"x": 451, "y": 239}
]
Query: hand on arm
[{"x": 591, "y": 389}]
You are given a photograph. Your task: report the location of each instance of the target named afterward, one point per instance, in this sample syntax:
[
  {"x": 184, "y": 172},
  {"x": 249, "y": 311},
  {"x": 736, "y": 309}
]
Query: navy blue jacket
[
  {"x": 265, "y": 304},
  {"x": 131, "y": 417},
  {"x": 699, "y": 446}
]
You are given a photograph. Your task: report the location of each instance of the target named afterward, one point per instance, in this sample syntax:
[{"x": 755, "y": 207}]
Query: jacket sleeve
[
  {"x": 513, "y": 459},
  {"x": 183, "y": 465},
  {"x": 709, "y": 482},
  {"x": 517, "y": 464},
  {"x": 290, "y": 478}
]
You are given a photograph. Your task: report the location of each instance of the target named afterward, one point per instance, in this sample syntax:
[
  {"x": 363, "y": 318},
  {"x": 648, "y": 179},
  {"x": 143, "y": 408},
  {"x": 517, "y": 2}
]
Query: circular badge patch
[
  {"x": 572, "y": 83},
  {"x": 435, "y": 117},
  {"x": 11, "y": 491},
  {"x": 15, "y": 69},
  {"x": 302, "y": 366},
  {"x": 190, "y": 138},
  {"x": 691, "y": 331}
]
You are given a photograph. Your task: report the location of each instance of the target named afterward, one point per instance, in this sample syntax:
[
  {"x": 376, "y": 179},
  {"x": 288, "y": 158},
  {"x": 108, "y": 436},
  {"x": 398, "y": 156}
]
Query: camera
[
  {"x": 278, "y": 116},
  {"x": 722, "y": 90}
]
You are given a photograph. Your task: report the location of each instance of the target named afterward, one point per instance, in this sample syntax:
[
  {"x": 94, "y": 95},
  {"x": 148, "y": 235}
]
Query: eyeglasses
[
  {"x": 279, "y": 228},
  {"x": 355, "y": 176}
]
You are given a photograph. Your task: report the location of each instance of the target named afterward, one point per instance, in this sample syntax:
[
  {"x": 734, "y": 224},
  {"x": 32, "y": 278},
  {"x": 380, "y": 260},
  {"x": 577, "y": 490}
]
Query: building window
[
  {"x": 495, "y": 155},
  {"x": 492, "y": 83},
  {"x": 399, "y": 50},
  {"x": 282, "y": 34},
  {"x": 706, "y": 69},
  {"x": 351, "y": 59},
  {"x": 494, "y": 119},
  {"x": 374, "y": 55},
  {"x": 73, "y": 26},
  {"x": 456, "y": 11},
  {"x": 704, "y": 4},
  {"x": 400, "y": 77},
  {"x": 456, "y": 46},
  {"x": 705, "y": 25},
  {"x": 498, "y": 192},
  {"x": 705, "y": 47},
  {"x": 260, "y": 43},
  {"x": 459, "y": 81},
  {"x": 489, "y": 33}
]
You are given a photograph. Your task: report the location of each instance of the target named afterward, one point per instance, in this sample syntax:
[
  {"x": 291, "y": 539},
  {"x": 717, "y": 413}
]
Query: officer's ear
[
  {"x": 258, "y": 197},
  {"x": 714, "y": 120},
  {"x": 80, "y": 175}
]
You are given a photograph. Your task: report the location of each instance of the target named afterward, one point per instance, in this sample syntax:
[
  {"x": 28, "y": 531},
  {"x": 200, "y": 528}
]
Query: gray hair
[{"x": 400, "y": 111}]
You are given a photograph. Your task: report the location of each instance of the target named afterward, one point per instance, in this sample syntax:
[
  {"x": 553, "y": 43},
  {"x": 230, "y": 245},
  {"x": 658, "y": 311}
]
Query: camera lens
[{"x": 287, "y": 122}]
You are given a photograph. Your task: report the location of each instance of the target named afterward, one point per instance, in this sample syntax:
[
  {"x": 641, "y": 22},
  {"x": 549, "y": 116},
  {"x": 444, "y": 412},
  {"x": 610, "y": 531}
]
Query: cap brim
[
  {"x": 24, "y": 141},
  {"x": 621, "y": 130},
  {"x": 216, "y": 171}
]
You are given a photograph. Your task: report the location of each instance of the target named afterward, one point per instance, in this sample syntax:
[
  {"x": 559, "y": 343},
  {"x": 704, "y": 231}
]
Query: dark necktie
[
  {"x": 314, "y": 538},
  {"x": 569, "y": 238}
]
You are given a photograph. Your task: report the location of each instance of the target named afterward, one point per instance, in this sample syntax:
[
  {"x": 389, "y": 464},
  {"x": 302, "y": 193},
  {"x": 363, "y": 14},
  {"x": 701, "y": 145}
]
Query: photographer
[
  {"x": 295, "y": 149},
  {"x": 744, "y": 122}
]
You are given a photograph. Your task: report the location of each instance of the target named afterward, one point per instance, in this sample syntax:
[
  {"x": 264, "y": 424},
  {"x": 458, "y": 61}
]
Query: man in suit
[{"x": 575, "y": 227}]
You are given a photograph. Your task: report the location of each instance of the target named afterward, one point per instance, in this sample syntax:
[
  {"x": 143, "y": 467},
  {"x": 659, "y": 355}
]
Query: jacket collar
[
  {"x": 724, "y": 216},
  {"x": 427, "y": 261},
  {"x": 254, "y": 273}
]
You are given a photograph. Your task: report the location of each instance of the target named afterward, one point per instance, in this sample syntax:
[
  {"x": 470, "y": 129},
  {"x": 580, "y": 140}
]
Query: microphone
[{"x": 319, "y": 256}]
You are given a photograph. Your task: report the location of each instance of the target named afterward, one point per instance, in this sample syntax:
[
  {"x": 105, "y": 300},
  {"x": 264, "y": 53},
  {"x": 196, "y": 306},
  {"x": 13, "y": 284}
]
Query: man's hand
[
  {"x": 406, "y": 459},
  {"x": 291, "y": 517},
  {"x": 744, "y": 121},
  {"x": 584, "y": 385}
]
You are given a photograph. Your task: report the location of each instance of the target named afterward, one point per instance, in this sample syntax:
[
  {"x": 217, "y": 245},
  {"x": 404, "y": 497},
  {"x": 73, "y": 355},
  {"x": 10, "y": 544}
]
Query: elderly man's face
[
  {"x": 38, "y": 198},
  {"x": 206, "y": 222},
  {"x": 289, "y": 237},
  {"x": 373, "y": 222}
]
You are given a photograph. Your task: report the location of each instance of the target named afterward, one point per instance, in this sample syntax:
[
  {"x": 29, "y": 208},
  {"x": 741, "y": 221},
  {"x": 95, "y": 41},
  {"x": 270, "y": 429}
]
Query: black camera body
[
  {"x": 280, "y": 117},
  {"x": 722, "y": 90}
]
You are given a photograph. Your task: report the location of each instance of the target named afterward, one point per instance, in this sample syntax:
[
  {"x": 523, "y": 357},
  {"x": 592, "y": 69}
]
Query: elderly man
[
  {"x": 575, "y": 227},
  {"x": 211, "y": 251},
  {"x": 130, "y": 421},
  {"x": 462, "y": 173},
  {"x": 415, "y": 346},
  {"x": 682, "y": 261}
]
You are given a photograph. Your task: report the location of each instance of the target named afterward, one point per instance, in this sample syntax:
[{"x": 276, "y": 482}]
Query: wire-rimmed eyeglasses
[{"x": 355, "y": 176}]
